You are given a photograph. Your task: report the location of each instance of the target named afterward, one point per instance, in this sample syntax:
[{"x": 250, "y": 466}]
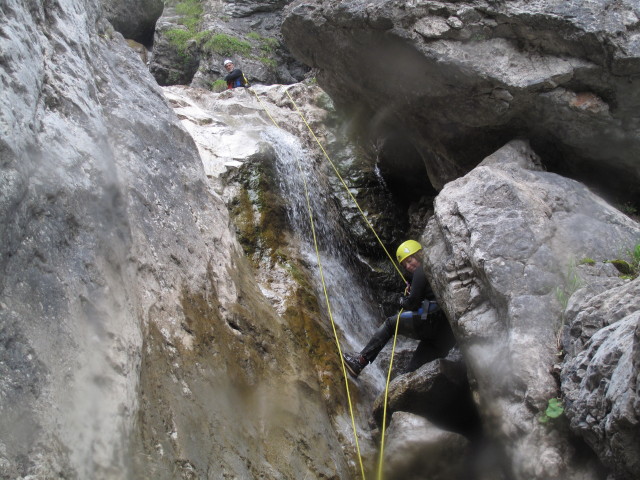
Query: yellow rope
[
  {"x": 326, "y": 296},
  {"x": 395, "y": 336},
  {"x": 386, "y": 397}
]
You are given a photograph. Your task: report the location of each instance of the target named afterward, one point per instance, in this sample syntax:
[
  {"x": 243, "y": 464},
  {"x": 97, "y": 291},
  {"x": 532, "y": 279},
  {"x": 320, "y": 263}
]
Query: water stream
[{"x": 354, "y": 311}]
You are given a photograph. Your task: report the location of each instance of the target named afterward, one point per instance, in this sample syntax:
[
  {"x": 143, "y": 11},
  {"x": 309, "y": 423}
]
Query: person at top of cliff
[
  {"x": 420, "y": 318},
  {"x": 235, "y": 78}
]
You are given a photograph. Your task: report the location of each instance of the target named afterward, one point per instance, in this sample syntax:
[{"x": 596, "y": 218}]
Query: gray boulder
[
  {"x": 600, "y": 375},
  {"x": 171, "y": 64},
  {"x": 499, "y": 247},
  {"x": 438, "y": 391},
  {"x": 453, "y": 81},
  {"x": 418, "y": 450}
]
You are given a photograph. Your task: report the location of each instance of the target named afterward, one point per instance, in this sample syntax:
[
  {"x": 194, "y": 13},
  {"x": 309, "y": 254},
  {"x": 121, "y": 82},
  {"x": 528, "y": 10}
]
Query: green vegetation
[
  {"x": 269, "y": 62},
  {"x": 266, "y": 44},
  {"x": 190, "y": 42},
  {"x": 218, "y": 86},
  {"x": 191, "y": 12},
  {"x": 629, "y": 268},
  {"x": 563, "y": 294},
  {"x": 269, "y": 45},
  {"x": 191, "y": 18},
  {"x": 179, "y": 39},
  {"x": 225, "y": 45},
  {"x": 259, "y": 214},
  {"x": 554, "y": 410}
]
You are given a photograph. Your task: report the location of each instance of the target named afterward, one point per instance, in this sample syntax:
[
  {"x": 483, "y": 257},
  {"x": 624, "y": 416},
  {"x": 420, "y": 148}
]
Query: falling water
[{"x": 355, "y": 313}]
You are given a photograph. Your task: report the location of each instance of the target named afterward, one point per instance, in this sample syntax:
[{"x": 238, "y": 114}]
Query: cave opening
[{"x": 403, "y": 170}]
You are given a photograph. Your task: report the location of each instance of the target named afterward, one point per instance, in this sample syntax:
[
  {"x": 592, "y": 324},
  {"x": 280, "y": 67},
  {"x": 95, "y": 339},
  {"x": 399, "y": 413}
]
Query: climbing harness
[{"x": 335, "y": 333}]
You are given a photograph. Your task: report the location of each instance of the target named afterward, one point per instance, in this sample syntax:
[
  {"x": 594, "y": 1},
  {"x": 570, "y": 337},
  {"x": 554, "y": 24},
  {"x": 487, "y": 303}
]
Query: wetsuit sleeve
[
  {"x": 233, "y": 75},
  {"x": 420, "y": 290}
]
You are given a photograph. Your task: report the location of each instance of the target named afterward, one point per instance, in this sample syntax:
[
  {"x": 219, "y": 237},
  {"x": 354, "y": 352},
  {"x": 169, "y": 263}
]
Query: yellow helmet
[{"x": 407, "y": 249}]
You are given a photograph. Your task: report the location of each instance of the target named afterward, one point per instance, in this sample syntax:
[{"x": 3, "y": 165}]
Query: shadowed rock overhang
[{"x": 459, "y": 79}]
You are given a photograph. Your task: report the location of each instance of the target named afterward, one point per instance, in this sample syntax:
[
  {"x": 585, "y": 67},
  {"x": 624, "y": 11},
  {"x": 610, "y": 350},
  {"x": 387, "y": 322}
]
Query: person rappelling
[
  {"x": 235, "y": 78},
  {"x": 420, "y": 318}
]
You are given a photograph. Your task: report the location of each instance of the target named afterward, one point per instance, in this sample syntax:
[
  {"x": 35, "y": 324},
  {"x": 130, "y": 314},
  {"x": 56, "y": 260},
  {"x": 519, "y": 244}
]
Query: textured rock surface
[
  {"x": 454, "y": 81},
  {"x": 416, "y": 449},
  {"x": 438, "y": 391},
  {"x": 601, "y": 371},
  {"x": 134, "y": 342},
  {"x": 499, "y": 246},
  {"x": 168, "y": 64}
]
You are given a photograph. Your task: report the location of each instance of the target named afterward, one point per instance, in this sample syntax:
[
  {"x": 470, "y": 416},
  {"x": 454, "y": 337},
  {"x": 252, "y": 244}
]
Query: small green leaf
[{"x": 555, "y": 409}]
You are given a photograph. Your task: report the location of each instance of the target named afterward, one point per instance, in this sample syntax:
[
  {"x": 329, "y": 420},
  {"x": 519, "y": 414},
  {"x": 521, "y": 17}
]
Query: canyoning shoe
[{"x": 354, "y": 363}]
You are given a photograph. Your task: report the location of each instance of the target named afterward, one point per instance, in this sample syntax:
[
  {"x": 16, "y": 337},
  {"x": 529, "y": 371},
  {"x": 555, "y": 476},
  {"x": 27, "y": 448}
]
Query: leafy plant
[
  {"x": 563, "y": 294},
  {"x": 629, "y": 209},
  {"x": 269, "y": 62},
  {"x": 554, "y": 410},
  {"x": 180, "y": 39},
  {"x": 269, "y": 45}
]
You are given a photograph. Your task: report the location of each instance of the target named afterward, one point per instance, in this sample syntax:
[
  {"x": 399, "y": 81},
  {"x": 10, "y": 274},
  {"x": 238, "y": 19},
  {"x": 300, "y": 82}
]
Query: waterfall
[{"x": 354, "y": 311}]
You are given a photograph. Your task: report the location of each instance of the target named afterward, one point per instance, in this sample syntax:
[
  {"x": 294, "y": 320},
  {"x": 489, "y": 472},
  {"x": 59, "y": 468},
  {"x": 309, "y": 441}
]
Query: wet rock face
[
  {"x": 500, "y": 246},
  {"x": 134, "y": 19},
  {"x": 459, "y": 79}
]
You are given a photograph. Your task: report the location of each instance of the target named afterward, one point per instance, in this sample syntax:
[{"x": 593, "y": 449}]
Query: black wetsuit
[
  {"x": 234, "y": 78},
  {"x": 433, "y": 329}
]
